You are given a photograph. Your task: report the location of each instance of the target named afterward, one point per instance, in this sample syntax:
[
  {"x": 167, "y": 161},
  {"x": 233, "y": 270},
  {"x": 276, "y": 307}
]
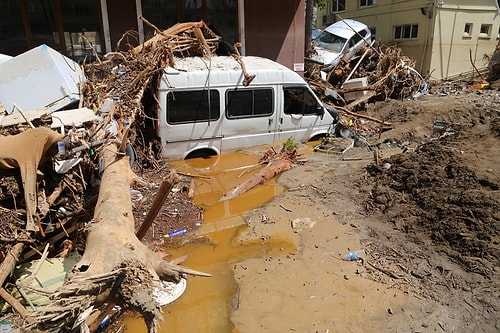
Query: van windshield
[{"x": 331, "y": 41}]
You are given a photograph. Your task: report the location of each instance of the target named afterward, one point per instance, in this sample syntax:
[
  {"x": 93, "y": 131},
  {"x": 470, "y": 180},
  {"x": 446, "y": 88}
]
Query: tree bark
[
  {"x": 115, "y": 267},
  {"x": 271, "y": 170}
]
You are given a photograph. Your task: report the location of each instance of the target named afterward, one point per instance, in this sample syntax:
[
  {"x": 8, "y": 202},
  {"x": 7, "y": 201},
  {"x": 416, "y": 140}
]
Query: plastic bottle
[
  {"x": 61, "y": 149},
  {"x": 175, "y": 233},
  {"x": 103, "y": 323},
  {"x": 354, "y": 255}
]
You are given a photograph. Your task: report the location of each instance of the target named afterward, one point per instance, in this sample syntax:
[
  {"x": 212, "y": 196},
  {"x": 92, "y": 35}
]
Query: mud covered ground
[
  {"x": 445, "y": 191},
  {"x": 427, "y": 215}
]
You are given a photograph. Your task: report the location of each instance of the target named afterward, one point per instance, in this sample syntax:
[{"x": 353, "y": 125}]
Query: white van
[{"x": 205, "y": 109}]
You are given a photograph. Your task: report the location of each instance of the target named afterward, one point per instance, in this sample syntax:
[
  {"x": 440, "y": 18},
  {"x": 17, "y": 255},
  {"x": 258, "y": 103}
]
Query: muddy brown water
[{"x": 206, "y": 304}]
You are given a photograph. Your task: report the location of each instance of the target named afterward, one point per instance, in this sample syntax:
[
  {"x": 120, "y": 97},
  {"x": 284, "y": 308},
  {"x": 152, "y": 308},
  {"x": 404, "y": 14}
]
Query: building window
[
  {"x": 366, "y": 3},
  {"x": 407, "y": 31},
  {"x": 12, "y": 35},
  {"x": 82, "y": 29},
  {"x": 485, "y": 31},
  {"x": 5, "y": 7},
  {"x": 163, "y": 14},
  {"x": 468, "y": 30},
  {"x": 34, "y": 6},
  {"x": 338, "y": 6}
]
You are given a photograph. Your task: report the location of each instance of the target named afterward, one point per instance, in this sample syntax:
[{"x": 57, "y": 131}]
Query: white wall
[{"x": 452, "y": 48}]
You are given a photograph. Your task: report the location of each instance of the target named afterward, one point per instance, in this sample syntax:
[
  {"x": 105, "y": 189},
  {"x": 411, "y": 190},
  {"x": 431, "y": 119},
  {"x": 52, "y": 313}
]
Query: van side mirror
[
  {"x": 334, "y": 113},
  {"x": 320, "y": 110}
]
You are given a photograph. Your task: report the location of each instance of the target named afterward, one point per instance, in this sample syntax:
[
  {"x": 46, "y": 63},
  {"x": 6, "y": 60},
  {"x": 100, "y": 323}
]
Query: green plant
[{"x": 289, "y": 144}]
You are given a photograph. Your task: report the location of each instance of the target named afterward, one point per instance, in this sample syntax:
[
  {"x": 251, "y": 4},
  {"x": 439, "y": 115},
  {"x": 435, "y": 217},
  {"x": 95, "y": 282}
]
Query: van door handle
[
  {"x": 281, "y": 121},
  {"x": 270, "y": 121}
]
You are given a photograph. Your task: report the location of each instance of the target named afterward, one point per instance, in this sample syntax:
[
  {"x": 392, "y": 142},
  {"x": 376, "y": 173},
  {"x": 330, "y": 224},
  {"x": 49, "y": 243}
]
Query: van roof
[
  {"x": 191, "y": 72},
  {"x": 346, "y": 28}
]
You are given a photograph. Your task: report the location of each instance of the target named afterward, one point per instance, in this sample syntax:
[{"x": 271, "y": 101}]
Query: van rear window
[
  {"x": 249, "y": 103},
  {"x": 192, "y": 106}
]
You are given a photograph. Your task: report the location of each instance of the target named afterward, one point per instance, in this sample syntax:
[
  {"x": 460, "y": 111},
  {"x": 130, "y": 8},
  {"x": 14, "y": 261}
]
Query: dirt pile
[{"x": 433, "y": 193}]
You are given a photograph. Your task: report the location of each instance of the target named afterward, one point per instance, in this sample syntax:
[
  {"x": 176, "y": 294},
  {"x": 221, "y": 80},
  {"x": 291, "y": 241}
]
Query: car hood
[{"x": 326, "y": 57}]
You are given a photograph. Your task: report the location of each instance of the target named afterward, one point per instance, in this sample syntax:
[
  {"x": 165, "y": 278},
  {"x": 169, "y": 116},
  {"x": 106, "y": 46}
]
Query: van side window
[
  {"x": 249, "y": 103},
  {"x": 192, "y": 106},
  {"x": 299, "y": 100}
]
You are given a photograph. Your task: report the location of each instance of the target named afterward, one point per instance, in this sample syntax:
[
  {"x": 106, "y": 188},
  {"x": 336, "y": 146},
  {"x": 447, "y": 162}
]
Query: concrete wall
[{"x": 452, "y": 48}]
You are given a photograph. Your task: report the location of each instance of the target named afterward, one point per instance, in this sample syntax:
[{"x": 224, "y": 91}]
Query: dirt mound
[{"x": 432, "y": 192}]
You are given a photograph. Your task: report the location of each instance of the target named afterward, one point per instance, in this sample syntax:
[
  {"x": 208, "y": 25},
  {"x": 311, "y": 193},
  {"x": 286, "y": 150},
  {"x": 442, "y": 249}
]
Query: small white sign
[{"x": 298, "y": 67}]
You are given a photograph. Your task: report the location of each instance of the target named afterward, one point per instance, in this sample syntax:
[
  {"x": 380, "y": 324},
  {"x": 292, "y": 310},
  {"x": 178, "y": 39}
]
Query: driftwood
[
  {"x": 357, "y": 115},
  {"x": 247, "y": 77},
  {"x": 183, "y": 37},
  {"x": 389, "y": 74},
  {"x": 276, "y": 164},
  {"x": 6, "y": 269},
  {"x": 116, "y": 267},
  {"x": 161, "y": 196}
]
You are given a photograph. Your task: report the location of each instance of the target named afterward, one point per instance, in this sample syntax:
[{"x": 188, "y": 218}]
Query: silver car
[{"x": 341, "y": 39}]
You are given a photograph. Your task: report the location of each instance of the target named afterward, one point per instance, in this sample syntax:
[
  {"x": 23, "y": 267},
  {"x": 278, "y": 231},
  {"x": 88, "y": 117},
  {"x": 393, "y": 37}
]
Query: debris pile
[
  {"x": 48, "y": 209},
  {"x": 381, "y": 70},
  {"x": 74, "y": 183},
  {"x": 375, "y": 72},
  {"x": 117, "y": 84}
]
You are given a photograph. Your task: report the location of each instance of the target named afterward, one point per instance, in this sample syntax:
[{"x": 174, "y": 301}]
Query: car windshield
[{"x": 331, "y": 41}]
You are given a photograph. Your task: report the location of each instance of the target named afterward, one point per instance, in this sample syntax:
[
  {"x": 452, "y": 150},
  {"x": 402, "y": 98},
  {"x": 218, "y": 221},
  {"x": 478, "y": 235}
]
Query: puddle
[
  {"x": 217, "y": 175},
  {"x": 206, "y": 304}
]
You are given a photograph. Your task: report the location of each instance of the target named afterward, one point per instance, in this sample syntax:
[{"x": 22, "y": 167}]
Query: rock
[{"x": 381, "y": 199}]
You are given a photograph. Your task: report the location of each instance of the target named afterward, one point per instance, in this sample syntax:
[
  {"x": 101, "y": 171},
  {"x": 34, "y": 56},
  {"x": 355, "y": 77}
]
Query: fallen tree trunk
[
  {"x": 278, "y": 163},
  {"x": 116, "y": 267}
]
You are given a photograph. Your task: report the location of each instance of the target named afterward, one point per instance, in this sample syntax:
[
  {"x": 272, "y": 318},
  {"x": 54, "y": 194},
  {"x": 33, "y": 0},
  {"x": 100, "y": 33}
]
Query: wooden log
[
  {"x": 161, "y": 196},
  {"x": 169, "y": 33},
  {"x": 384, "y": 123},
  {"x": 115, "y": 267},
  {"x": 10, "y": 261},
  {"x": 271, "y": 170},
  {"x": 16, "y": 305}
]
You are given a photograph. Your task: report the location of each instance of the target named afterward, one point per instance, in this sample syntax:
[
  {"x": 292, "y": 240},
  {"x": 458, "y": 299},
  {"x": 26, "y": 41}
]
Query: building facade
[
  {"x": 79, "y": 28},
  {"x": 444, "y": 37}
]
